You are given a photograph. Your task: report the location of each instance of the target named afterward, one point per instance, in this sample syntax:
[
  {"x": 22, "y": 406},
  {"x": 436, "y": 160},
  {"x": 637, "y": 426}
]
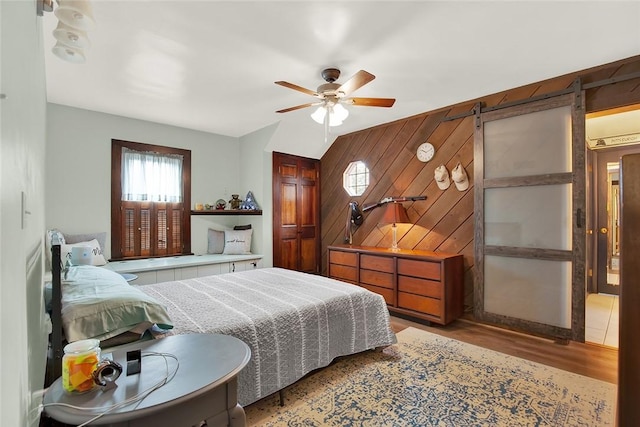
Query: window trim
[
  {"x": 116, "y": 193},
  {"x": 351, "y": 171}
]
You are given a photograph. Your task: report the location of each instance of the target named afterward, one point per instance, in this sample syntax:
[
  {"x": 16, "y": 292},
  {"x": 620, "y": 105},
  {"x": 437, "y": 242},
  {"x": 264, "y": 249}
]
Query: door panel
[
  {"x": 514, "y": 216},
  {"x": 529, "y": 239},
  {"x": 527, "y": 289},
  {"x": 288, "y": 207}
]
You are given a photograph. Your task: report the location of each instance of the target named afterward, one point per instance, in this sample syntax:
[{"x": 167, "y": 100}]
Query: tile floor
[{"x": 601, "y": 326}]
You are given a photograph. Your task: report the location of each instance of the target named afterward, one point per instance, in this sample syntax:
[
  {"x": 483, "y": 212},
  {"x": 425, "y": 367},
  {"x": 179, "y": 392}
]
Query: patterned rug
[{"x": 429, "y": 380}]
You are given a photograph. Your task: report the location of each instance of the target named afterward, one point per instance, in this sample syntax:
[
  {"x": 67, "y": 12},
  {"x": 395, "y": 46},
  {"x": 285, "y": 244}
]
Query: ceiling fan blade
[
  {"x": 297, "y": 107},
  {"x": 358, "y": 80},
  {"x": 299, "y": 88},
  {"x": 371, "y": 102}
]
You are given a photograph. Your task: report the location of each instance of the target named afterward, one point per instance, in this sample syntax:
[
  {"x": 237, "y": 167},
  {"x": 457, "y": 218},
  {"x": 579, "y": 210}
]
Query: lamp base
[{"x": 394, "y": 245}]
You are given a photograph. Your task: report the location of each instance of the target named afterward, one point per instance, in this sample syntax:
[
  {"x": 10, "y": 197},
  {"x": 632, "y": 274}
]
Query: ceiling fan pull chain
[{"x": 326, "y": 125}]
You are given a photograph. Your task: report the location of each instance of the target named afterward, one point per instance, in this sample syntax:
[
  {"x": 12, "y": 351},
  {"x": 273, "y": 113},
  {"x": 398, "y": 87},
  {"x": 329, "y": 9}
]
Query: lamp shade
[
  {"x": 75, "y": 13},
  {"x": 395, "y": 213}
]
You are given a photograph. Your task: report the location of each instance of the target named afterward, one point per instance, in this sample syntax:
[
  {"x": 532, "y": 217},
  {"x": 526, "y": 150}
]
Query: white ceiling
[{"x": 211, "y": 65}]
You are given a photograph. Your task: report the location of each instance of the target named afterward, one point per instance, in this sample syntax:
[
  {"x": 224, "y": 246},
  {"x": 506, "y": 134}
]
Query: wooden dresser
[{"x": 422, "y": 284}]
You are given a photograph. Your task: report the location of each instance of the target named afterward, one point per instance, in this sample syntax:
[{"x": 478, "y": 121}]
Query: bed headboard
[{"x": 54, "y": 365}]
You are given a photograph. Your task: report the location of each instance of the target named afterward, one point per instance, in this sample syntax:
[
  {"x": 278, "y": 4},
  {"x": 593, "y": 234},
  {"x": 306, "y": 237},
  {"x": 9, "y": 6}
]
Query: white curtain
[{"x": 151, "y": 177}]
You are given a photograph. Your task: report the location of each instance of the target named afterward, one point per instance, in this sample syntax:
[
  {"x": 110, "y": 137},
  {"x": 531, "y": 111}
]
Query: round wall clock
[{"x": 425, "y": 152}]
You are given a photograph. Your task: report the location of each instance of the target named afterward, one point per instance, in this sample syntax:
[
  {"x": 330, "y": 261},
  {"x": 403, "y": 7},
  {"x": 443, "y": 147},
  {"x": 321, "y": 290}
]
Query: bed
[{"x": 293, "y": 322}]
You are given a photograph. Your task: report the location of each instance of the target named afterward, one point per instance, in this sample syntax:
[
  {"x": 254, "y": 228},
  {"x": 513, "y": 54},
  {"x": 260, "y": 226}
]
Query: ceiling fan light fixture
[
  {"x": 318, "y": 115},
  {"x": 75, "y": 13},
  {"x": 69, "y": 53},
  {"x": 337, "y": 114},
  {"x": 71, "y": 36}
]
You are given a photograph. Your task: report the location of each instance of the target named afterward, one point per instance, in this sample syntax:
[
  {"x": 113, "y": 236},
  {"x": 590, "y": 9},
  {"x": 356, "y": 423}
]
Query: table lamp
[{"x": 395, "y": 213}]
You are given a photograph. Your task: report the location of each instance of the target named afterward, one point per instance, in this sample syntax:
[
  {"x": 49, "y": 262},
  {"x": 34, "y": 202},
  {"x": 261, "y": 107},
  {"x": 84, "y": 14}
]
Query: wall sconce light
[
  {"x": 395, "y": 213},
  {"x": 75, "y": 18}
]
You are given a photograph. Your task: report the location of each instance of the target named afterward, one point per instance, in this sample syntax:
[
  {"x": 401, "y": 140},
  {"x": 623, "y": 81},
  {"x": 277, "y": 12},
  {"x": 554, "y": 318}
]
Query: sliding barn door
[{"x": 530, "y": 204}]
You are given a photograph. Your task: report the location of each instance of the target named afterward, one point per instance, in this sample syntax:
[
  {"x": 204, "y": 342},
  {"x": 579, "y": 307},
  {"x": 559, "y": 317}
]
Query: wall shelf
[{"x": 227, "y": 212}]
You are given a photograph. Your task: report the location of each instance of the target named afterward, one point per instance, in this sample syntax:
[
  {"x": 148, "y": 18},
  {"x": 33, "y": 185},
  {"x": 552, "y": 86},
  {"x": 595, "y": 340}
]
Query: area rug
[{"x": 430, "y": 380}]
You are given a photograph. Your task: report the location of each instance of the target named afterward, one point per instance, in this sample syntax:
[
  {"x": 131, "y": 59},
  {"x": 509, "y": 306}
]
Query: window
[
  {"x": 355, "y": 178},
  {"x": 150, "y": 200}
]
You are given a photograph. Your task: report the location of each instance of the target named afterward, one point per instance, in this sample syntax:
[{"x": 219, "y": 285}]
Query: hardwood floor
[{"x": 590, "y": 360}]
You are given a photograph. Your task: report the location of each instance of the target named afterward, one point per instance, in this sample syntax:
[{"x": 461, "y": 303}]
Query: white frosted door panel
[
  {"x": 530, "y": 217},
  {"x": 529, "y": 144},
  {"x": 529, "y": 289}
]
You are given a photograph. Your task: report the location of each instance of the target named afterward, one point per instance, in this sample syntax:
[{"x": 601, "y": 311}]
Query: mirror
[{"x": 613, "y": 221}]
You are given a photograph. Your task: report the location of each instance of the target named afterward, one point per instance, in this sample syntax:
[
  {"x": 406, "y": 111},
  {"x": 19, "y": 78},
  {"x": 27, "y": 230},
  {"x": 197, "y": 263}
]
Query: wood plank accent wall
[{"x": 445, "y": 221}]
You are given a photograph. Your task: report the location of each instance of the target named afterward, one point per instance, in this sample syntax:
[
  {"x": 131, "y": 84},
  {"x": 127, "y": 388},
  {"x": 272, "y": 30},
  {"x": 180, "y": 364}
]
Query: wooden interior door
[
  {"x": 296, "y": 213},
  {"x": 607, "y": 225},
  {"x": 629, "y": 349}
]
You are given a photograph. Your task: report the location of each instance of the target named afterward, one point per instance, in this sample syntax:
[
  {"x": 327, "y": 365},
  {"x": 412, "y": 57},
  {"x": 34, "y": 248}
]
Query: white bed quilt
[{"x": 293, "y": 322}]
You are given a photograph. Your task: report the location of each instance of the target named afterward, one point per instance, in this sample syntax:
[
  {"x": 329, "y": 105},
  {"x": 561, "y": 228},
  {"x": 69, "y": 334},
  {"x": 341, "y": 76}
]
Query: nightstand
[{"x": 203, "y": 389}]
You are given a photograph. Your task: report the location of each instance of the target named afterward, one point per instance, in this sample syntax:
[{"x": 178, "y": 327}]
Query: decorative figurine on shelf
[
  {"x": 220, "y": 204},
  {"x": 250, "y": 203},
  {"x": 235, "y": 201}
]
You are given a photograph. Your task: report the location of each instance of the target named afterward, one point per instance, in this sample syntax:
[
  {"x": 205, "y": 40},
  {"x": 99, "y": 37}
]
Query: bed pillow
[
  {"x": 237, "y": 242},
  {"x": 215, "y": 241},
  {"x": 96, "y": 257},
  {"x": 99, "y": 303},
  {"x": 87, "y": 237}
]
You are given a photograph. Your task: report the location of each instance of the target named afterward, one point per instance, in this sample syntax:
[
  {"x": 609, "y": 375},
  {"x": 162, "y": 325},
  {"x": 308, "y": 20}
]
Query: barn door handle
[{"x": 579, "y": 218}]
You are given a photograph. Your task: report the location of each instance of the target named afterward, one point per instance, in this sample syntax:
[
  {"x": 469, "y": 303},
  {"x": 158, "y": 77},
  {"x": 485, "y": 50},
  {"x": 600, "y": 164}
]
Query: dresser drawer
[
  {"x": 424, "y": 269},
  {"x": 343, "y": 258},
  {"x": 424, "y": 287},
  {"x": 378, "y": 263},
  {"x": 387, "y": 294},
  {"x": 420, "y": 304},
  {"x": 376, "y": 278},
  {"x": 343, "y": 272}
]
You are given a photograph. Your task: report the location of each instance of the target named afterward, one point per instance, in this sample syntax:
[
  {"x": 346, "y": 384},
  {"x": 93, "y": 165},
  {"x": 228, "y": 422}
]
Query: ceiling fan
[{"x": 332, "y": 95}]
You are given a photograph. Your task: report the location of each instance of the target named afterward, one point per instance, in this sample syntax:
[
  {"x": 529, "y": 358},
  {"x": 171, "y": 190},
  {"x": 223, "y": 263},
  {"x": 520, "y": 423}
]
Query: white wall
[
  {"x": 23, "y": 327},
  {"x": 258, "y": 163},
  {"x": 79, "y": 179}
]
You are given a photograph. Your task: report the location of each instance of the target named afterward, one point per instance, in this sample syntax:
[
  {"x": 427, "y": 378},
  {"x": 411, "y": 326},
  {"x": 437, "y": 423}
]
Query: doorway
[{"x": 610, "y": 135}]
